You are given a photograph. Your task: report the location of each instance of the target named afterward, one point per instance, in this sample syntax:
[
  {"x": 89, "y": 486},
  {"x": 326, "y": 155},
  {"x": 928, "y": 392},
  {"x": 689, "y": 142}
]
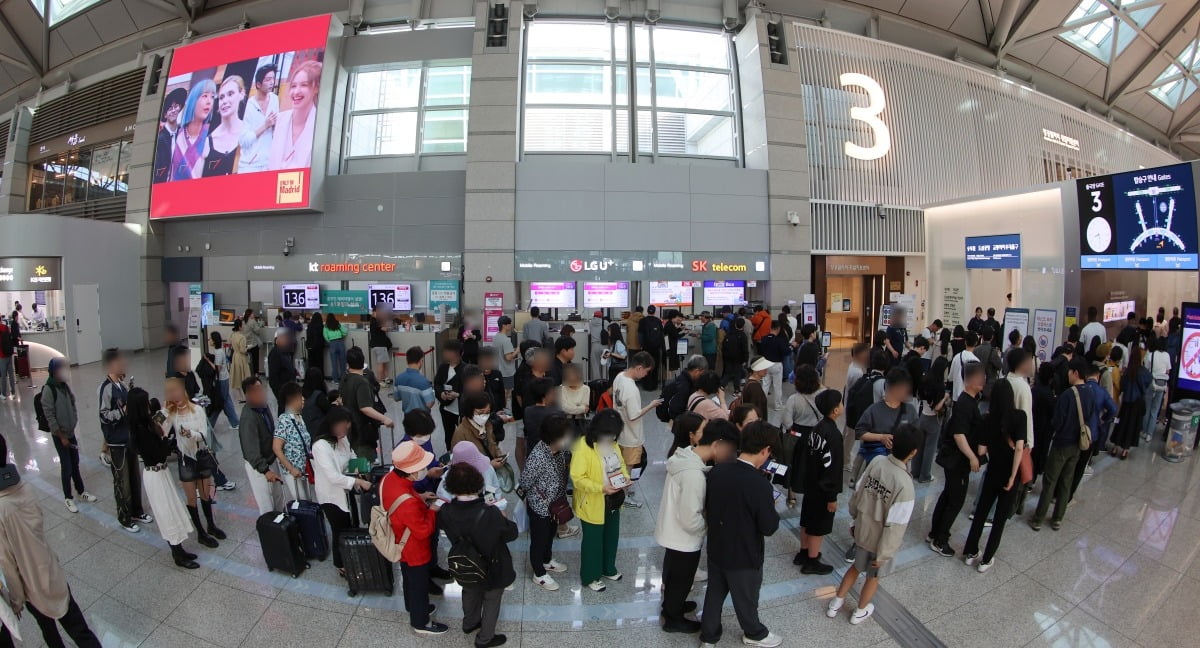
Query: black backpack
[
  {"x": 861, "y": 397},
  {"x": 43, "y": 423},
  {"x": 654, "y": 335},
  {"x": 663, "y": 410},
  {"x": 733, "y": 345},
  {"x": 466, "y": 563}
]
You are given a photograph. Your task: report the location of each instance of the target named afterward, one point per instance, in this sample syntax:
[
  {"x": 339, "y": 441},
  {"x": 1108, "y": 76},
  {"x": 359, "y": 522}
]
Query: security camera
[
  {"x": 879, "y": 210},
  {"x": 287, "y": 251},
  {"x": 794, "y": 218}
]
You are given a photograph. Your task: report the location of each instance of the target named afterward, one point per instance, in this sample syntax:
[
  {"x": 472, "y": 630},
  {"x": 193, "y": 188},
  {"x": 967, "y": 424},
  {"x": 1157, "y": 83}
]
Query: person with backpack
[
  {"x": 735, "y": 353},
  {"x": 958, "y": 455},
  {"x": 652, "y": 336},
  {"x": 413, "y": 523},
  {"x": 961, "y": 359},
  {"x": 122, "y": 459},
  {"x": 8, "y": 388},
  {"x": 479, "y": 557},
  {"x": 678, "y": 391},
  {"x": 708, "y": 400},
  {"x": 865, "y": 392},
  {"x": 935, "y": 404},
  {"x": 708, "y": 339},
  {"x": 56, "y": 413},
  {"x": 1071, "y": 412},
  {"x": 878, "y": 424},
  {"x": 816, "y": 473},
  {"x": 860, "y": 355},
  {"x": 773, "y": 347},
  {"x": 989, "y": 356}
]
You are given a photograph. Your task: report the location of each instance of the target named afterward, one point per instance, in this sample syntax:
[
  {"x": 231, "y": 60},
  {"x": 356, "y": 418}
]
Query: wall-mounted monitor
[
  {"x": 1117, "y": 311},
  {"x": 558, "y": 294},
  {"x": 301, "y": 297},
  {"x": 1138, "y": 220},
  {"x": 724, "y": 293},
  {"x": 207, "y": 301},
  {"x": 607, "y": 294},
  {"x": 398, "y": 297},
  {"x": 226, "y": 316},
  {"x": 676, "y": 294},
  {"x": 238, "y": 121}
]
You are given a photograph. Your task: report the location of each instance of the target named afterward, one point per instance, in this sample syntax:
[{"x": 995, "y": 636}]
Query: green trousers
[
  {"x": 598, "y": 554},
  {"x": 1056, "y": 482}
]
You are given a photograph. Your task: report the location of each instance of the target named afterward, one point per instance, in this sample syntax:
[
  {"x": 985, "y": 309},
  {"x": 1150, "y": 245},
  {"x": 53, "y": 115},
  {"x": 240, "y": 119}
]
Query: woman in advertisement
[
  {"x": 191, "y": 142},
  {"x": 227, "y": 141},
  {"x": 291, "y": 144},
  {"x": 261, "y": 113}
]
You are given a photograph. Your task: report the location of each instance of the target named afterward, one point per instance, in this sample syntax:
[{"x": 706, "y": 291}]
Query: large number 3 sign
[{"x": 868, "y": 115}]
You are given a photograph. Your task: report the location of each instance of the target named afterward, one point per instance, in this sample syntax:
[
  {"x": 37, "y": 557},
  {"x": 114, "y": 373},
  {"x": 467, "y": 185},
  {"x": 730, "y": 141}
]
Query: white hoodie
[{"x": 681, "y": 525}]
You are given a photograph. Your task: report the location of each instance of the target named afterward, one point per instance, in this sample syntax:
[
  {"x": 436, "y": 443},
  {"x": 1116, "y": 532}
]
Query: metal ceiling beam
[
  {"x": 30, "y": 62},
  {"x": 1083, "y": 22},
  {"x": 5, "y": 58},
  {"x": 1183, "y": 123},
  {"x": 1004, "y": 24},
  {"x": 1112, "y": 57},
  {"x": 1003, "y": 47},
  {"x": 1141, "y": 33},
  {"x": 177, "y": 7},
  {"x": 1175, "y": 31},
  {"x": 985, "y": 14}
]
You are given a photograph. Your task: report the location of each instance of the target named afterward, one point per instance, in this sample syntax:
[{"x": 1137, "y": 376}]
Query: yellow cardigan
[{"x": 587, "y": 471}]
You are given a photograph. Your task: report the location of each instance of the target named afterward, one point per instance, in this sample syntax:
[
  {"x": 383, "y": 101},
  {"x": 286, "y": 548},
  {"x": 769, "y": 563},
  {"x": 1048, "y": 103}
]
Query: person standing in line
[
  {"x": 506, "y": 356},
  {"x": 252, "y": 328},
  {"x": 708, "y": 340},
  {"x": 58, "y": 405},
  {"x": 535, "y": 329},
  {"x": 708, "y": 400},
  {"x": 331, "y": 452},
  {"x": 652, "y": 336},
  {"x": 222, "y": 359},
  {"x": 817, "y": 473},
  {"x": 154, "y": 447},
  {"x": 413, "y": 523},
  {"x": 681, "y": 527},
  {"x": 335, "y": 339},
  {"x": 896, "y": 339},
  {"x": 961, "y": 359},
  {"x": 627, "y": 400},
  {"x": 878, "y": 424},
  {"x": 379, "y": 344},
  {"x": 7, "y": 347},
  {"x": 257, "y": 434},
  {"x": 860, "y": 355},
  {"x": 934, "y": 406},
  {"x": 33, "y": 577},
  {"x": 544, "y": 482},
  {"x": 239, "y": 359},
  {"x": 753, "y": 393},
  {"x": 447, "y": 384},
  {"x": 197, "y": 462},
  {"x": 601, "y": 479},
  {"x": 281, "y": 365},
  {"x": 314, "y": 341},
  {"x": 959, "y": 457},
  {"x": 1135, "y": 384},
  {"x": 735, "y": 353},
  {"x": 881, "y": 507},
  {"x": 774, "y": 348},
  {"x": 1099, "y": 419},
  {"x": 1158, "y": 363},
  {"x": 358, "y": 394},
  {"x": 1003, "y": 442},
  {"x": 597, "y": 342},
  {"x": 741, "y": 514},
  {"x": 292, "y": 441},
  {"x": 412, "y": 388},
  {"x": 469, "y": 517},
  {"x": 122, "y": 459},
  {"x": 1071, "y": 411},
  {"x": 1094, "y": 329}
]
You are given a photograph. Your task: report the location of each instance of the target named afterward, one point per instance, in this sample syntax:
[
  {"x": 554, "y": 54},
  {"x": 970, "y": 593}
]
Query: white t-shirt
[
  {"x": 1158, "y": 364},
  {"x": 1092, "y": 330},
  {"x": 956, "y": 371},
  {"x": 503, "y": 345},
  {"x": 627, "y": 400}
]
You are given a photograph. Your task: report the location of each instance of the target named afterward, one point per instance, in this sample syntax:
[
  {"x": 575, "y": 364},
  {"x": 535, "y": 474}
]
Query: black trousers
[
  {"x": 74, "y": 623},
  {"x": 950, "y": 502},
  {"x": 68, "y": 463},
  {"x": 743, "y": 586},
  {"x": 991, "y": 492},
  {"x": 678, "y": 575},
  {"x": 339, "y": 521},
  {"x": 416, "y": 593},
  {"x": 127, "y": 483},
  {"x": 255, "y": 367},
  {"x": 541, "y": 541},
  {"x": 449, "y": 422}
]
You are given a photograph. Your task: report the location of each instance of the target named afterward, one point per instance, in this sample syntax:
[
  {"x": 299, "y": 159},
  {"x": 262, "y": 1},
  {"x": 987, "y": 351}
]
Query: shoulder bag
[
  {"x": 1085, "y": 432},
  {"x": 382, "y": 533}
]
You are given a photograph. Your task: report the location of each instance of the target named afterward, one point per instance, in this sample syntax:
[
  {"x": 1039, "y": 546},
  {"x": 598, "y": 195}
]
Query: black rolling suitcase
[
  {"x": 311, "y": 520},
  {"x": 279, "y": 535},
  {"x": 369, "y": 499},
  {"x": 366, "y": 569}
]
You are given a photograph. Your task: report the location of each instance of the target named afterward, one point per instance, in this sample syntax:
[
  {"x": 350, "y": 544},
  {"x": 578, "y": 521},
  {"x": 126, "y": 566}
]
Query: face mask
[
  {"x": 420, "y": 440},
  {"x": 480, "y": 419},
  {"x": 421, "y": 474}
]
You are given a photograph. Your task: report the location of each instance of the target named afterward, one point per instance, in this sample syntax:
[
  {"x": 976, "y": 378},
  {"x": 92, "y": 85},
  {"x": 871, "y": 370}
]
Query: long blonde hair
[{"x": 172, "y": 408}]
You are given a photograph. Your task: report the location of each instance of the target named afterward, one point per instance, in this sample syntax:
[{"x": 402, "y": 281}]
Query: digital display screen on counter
[
  {"x": 238, "y": 121},
  {"x": 609, "y": 294},
  {"x": 1139, "y": 220},
  {"x": 559, "y": 294},
  {"x": 301, "y": 296},
  {"x": 724, "y": 293},
  {"x": 398, "y": 297},
  {"x": 672, "y": 293}
]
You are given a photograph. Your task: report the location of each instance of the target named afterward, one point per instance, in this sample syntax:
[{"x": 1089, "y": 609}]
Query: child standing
[
  {"x": 820, "y": 479},
  {"x": 881, "y": 507}
]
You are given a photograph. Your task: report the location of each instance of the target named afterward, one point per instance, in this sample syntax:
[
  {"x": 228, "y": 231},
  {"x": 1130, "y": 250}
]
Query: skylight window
[
  {"x": 1092, "y": 26},
  {"x": 1176, "y": 84},
  {"x": 60, "y": 10}
]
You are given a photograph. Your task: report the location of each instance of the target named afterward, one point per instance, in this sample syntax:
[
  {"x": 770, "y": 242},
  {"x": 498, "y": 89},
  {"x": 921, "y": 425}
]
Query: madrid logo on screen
[{"x": 289, "y": 189}]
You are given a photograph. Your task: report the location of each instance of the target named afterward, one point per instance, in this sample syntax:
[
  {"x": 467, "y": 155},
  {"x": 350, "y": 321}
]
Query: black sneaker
[
  {"x": 815, "y": 566},
  {"x": 434, "y": 628},
  {"x": 497, "y": 640},
  {"x": 682, "y": 626},
  {"x": 800, "y": 559},
  {"x": 688, "y": 606},
  {"x": 940, "y": 549}
]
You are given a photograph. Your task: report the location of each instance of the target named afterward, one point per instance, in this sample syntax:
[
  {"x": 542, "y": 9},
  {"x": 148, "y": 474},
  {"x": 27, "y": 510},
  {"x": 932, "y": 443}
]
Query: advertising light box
[
  {"x": 611, "y": 294},
  {"x": 301, "y": 296},
  {"x": 559, "y": 294},
  {"x": 1139, "y": 220},
  {"x": 398, "y": 297},
  {"x": 671, "y": 293},
  {"x": 1116, "y": 311},
  {"x": 724, "y": 293},
  {"x": 1001, "y": 251},
  {"x": 238, "y": 120},
  {"x": 1189, "y": 362}
]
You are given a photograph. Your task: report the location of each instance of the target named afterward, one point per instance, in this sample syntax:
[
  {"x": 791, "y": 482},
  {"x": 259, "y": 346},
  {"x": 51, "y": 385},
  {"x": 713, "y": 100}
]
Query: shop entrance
[{"x": 852, "y": 290}]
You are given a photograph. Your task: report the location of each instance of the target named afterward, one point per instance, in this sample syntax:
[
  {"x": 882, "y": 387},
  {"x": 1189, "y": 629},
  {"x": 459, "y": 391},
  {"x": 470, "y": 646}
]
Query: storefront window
[
  {"x": 577, "y": 96},
  {"x": 92, "y": 173},
  {"x": 400, "y": 110}
]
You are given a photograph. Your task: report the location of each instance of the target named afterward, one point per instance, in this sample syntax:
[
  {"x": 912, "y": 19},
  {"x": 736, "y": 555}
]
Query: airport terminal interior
[{"x": 599, "y": 322}]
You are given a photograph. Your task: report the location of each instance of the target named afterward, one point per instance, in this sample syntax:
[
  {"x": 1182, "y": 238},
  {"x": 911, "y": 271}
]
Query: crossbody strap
[{"x": 1079, "y": 408}]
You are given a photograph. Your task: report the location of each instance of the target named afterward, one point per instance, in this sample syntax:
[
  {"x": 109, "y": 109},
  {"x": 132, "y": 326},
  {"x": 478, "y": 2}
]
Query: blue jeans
[
  {"x": 1154, "y": 399},
  {"x": 337, "y": 358},
  {"x": 230, "y": 409},
  {"x": 788, "y": 368}
]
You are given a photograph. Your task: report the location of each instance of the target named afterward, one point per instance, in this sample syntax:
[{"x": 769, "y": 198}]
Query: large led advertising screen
[
  {"x": 1139, "y": 220},
  {"x": 238, "y": 119}
]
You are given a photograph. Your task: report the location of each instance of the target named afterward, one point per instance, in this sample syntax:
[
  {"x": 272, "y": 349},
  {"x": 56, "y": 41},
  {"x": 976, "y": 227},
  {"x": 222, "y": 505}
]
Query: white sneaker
[
  {"x": 546, "y": 582},
  {"x": 145, "y": 518},
  {"x": 597, "y": 586},
  {"x": 71, "y": 505},
  {"x": 132, "y": 528},
  {"x": 970, "y": 559},
  {"x": 835, "y": 606},
  {"x": 701, "y": 576},
  {"x": 88, "y": 497},
  {"x": 1087, "y": 470},
  {"x": 555, "y": 567},
  {"x": 861, "y": 614},
  {"x": 772, "y": 640},
  {"x": 984, "y": 566},
  {"x": 632, "y": 503},
  {"x": 568, "y": 532},
  {"x": 3, "y": 397},
  {"x": 227, "y": 486},
  {"x": 615, "y": 577}
]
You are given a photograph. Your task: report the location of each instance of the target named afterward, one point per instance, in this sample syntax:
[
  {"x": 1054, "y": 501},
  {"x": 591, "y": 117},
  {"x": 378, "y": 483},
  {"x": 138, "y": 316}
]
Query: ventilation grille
[
  {"x": 95, "y": 104},
  {"x": 841, "y": 229},
  {"x": 104, "y": 209},
  {"x": 3, "y": 142}
]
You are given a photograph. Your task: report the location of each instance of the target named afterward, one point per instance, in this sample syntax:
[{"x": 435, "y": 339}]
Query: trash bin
[
  {"x": 1181, "y": 436},
  {"x": 22, "y": 361}
]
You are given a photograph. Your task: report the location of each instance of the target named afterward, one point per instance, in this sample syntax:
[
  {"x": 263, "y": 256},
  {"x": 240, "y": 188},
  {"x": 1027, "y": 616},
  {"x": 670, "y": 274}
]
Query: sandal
[{"x": 1124, "y": 455}]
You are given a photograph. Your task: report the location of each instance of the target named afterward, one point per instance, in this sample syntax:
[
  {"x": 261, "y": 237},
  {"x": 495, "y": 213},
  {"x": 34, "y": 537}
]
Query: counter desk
[{"x": 44, "y": 345}]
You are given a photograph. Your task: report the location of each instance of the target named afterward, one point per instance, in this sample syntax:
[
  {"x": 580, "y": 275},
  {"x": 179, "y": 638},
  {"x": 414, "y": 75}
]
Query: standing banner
[
  {"x": 493, "y": 308},
  {"x": 1045, "y": 321},
  {"x": 1014, "y": 318}
]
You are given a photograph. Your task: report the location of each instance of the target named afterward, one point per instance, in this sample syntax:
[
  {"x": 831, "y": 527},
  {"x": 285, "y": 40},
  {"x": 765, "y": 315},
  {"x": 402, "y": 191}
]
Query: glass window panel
[
  {"x": 695, "y": 90},
  {"x": 384, "y": 134},
  {"x": 688, "y": 47},
  {"x": 104, "y": 171},
  {"x": 551, "y": 40},
  {"x": 641, "y": 43},
  {"x": 621, "y": 76},
  {"x": 643, "y": 87},
  {"x": 691, "y": 134},
  {"x": 568, "y": 129},
  {"x": 448, "y": 86},
  {"x": 122, "y": 185},
  {"x": 60, "y": 10},
  {"x": 395, "y": 88},
  {"x": 444, "y": 131},
  {"x": 38, "y": 185},
  {"x": 78, "y": 171},
  {"x": 645, "y": 134},
  {"x": 568, "y": 84},
  {"x": 620, "y": 42}
]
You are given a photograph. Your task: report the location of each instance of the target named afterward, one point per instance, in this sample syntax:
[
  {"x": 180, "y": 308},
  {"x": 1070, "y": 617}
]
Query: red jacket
[
  {"x": 413, "y": 514},
  {"x": 762, "y": 324}
]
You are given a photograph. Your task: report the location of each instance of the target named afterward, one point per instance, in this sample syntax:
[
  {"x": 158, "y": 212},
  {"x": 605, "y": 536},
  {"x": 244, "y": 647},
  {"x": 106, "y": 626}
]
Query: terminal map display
[
  {"x": 724, "y": 293},
  {"x": 610, "y": 294},
  {"x": 1140, "y": 220},
  {"x": 671, "y": 293},
  {"x": 557, "y": 294}
]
